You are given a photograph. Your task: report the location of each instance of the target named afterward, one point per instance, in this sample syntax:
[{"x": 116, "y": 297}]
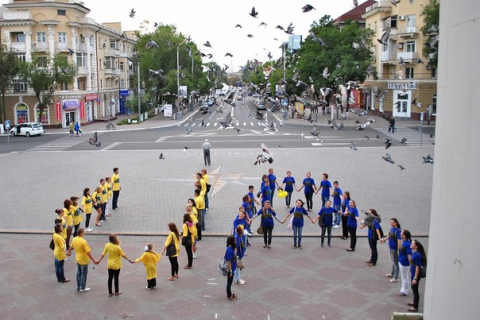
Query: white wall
[{"x": 453, "y": 277}]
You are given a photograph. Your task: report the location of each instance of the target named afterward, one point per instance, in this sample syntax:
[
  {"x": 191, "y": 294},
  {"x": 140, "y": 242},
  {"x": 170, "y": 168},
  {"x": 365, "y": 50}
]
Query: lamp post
[
  {"x": 138, "y": 89},
  {"x": 178, "y": 66}
]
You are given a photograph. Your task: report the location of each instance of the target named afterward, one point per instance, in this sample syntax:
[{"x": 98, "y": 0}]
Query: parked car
[
  {"x": 210, "y": 102},
  {"x": 261, "y": 106},
  {"x": 27, "y": 129}
]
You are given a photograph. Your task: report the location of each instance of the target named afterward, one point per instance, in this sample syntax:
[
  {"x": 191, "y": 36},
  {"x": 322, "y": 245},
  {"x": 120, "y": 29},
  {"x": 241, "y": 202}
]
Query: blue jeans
[
  {"x": 297, "y": 235},
  {"x": 82, "y": 271},
  {"x": 288, "y": 198},
  {"x": 59, "y": 269},
  {"x": 202, "y": 213},
  {"x": 236, "y": 275},
  {"x": 271, "y": 196},
  {"x": 324, "y": 200},
  {"x": 206, "y": 201},
  {"x": 338, "y": 215}
]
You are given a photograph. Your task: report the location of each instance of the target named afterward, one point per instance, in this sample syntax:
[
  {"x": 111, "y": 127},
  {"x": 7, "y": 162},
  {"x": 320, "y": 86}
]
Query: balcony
[
  {"x": 83, "y": 47},
  {"x": 112, "y": 72},
  {"x": 81, "y": 71},
  {"x": 387, "y": 56},
  {"x": 379, "y": 6},
  {"x": 62, "y": 46},
  {"x": 408, "y": 32},
  {"x": 40, "y": 46},
  {"x": 111, "y": 52},
  {"x": 407, "y": 56}
]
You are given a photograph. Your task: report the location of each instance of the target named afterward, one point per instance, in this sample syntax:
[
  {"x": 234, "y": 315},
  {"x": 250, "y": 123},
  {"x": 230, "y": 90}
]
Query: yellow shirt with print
[
  {"x": 193, "y": 231},
  {"x": 150, "y": 260},
  {"x": 77, "y": 214},
  {"x": 68, "y": 215},
  {"x": 172, "y": 237},
  {"x": 206, "y": 178},
  {"x": 200, "y": 201},
  {"x": 87, "y": 204},
  {"x": 104, "y": 195},
  {"x": 81, "y": 249},
  {"x": 116, "y": 182},
  {"x": 203, "y": 185},
  {"x": 59, "y": 250},
  {"x": 96, "y": 196},
  {"x": 115, "y": 254},
  {"x": 64, "y": 231},
  {"x": 109, "y": 189}
]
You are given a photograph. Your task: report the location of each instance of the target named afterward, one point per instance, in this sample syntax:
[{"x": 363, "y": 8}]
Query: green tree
[
  {"x": 9, "y": 67},
  {"x": 431, "y": 18},
  {"x": 44, "y": 75}
]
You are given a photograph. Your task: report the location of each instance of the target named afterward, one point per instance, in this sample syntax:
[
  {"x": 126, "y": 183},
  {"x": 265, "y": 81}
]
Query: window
[
  {"x": 81, "y": 59},
  {"x": 122, "y": 66},
  {"x": 63, "y": 86},
  {"x": 110, "y": 63},
  {"x": 61, "y": 12},
  {"x": 434, "y": 105},
  {"x": 62, "y": 37},
  {"x": 91, "y": 40},
  {"x": 122, "y": 83},
  {"x": 100, "y": 63},
  {"x": 393, "y": 22},
  {"x": 45, "y": 115},
  {"x": 433, "y": 73},
  {"x": 408, "y": 73},
  {"x": 82, "y": 38},
  {"x": 411, "y": 24},
  {"x": 21, "y": 57},
  {"x": 41, "y": 37},
  {"x": 42, "y": 62},
  {"x": 114, "y": 44},
  {"x": 130, "y": 66},
  {"x": 19, "y": 86},
  {"x": 21, "y": 112},
  {"x": 410, "y": 46},
  {"x": 20, "y": 37}
]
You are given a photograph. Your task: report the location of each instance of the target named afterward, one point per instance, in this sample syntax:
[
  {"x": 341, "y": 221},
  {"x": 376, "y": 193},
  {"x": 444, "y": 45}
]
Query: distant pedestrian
[
  {"x": 326, "y": 188},
  {"x": 289, "y": 183},
  {"x": 391, "y": 125},
  {"x": 206, "y": 152},
  {"x": 265, "y": 192},
  {"x": 199, "y": 218},
  {"x": 200, "y": 205},
  {"x": 116, "y": 188},
  {"x": 193, "y": 217},
  {"x": 59, "y": 253},
  {"x": 78, "y": 131},
  {"x": 82, "y": 256},
  {"x": 297, "y": 222},
  {"x": 325, "y": 216},
  {"x": 231, "y": 258},
  {"x": 352, "y": 222},
  {"x": 394, "y": 239},
  {"x": 108, "y": 186},
  {"x": 150, "y": 259},
  {"x": 310, "y": 187},
  {"x": 267, "y": 214},
  {"x": 71, "y": 128},
  {"x": 115, "y": 253},
  {"x": 87, "y": 204},
  {"x": 173, "y": 237}
]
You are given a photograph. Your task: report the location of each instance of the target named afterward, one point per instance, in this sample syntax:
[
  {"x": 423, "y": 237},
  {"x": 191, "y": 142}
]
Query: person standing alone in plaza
[
  {"x": 82, "y": 250},
  {"x": 116, "y": 188},
  {"x": 206, "y": 152},
  {"x": 391, "y": 125}
]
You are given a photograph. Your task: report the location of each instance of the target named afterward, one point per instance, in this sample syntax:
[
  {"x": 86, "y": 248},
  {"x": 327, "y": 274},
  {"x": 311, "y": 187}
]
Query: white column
[
  {"x": 74, "y": 47},
  {"x": 51, "y": 40},
  {"x": 7, "y": 40},
  {"x": 89, "y": 63},
  {"x": 28, "y": 45}
]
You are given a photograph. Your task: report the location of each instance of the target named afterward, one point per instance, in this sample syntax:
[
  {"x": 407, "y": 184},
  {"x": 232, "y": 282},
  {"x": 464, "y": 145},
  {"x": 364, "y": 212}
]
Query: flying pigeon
[
  {"x": 161, "y": 157},
  {"x": 395, "y": 2},
  {"x": 401, "y": 167},
  {"x": 94, "y": 141},
  {"x": 151, "y": 44},
  {"x": 132, "y": 13},
  {"x": 352, "y": 146},
  {"x": 269, "y": 55},
  {"x": 355, "y": 3},
  {"x": 264, "y": 156},
  {"x": 250, "y": 35},
  {"x": 404, "y": 140},
  {"x": 70, "y": 51},
  {"x": 302, "y": 136},
  {"x": 207, "y": 44},
  {"x": 388, "y": 143},
  {"x": 155, "y": 24},
  {"x": 280, "y": 27},
  {"x": 317, "y": 39},
  {"x": 401, "y": 62},
  {"x": 262, "y": 24},
  {"x": 307, "y": 8},
  {"x": 388, "y": 158},
  {"x": 384, "y": 38},
  {"x": 367, "y": 137},
  {"x": 377, "y": 136},
  {"x": 189, "y": 131},
  {"x": 290, "y": 29},
  {"x": 434, "y": 43},
  {"x": 253, "y": 13},
  {"x": 428, "y": 159},
  {"x": 355, "y": 45},
  {"x": 238, "y": 26},
  {"x": 369, "y": 70},
  {"x": 325, "y": 73},
  {"x": 228, "y": 54}
]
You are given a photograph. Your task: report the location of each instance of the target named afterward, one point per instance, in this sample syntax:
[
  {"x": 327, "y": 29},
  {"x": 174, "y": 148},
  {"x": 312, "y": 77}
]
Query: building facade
[
  {"x": 402, "y": 70},
  {"x": 100, "y": 52}
]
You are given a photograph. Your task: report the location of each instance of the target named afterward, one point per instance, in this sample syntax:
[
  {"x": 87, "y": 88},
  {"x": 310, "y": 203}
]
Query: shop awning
[{"x": 70, "y": 104}]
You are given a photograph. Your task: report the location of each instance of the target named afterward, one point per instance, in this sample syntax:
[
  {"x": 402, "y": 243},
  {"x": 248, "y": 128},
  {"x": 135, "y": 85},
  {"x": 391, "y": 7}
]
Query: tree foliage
[
  {"x": 430, "y": 29},
  {"x": 44, "y": 75},
  {"x": 9, "y": 67}
]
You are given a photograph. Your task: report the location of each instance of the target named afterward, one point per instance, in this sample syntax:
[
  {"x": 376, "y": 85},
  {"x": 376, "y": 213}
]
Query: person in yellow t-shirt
[
  {"x": 200, "y": 204},
  {"x": 207, "y": 182},
  {"x": 76, "y": 213},
  {"x": 97, "y": 204},
  {"x": 174, "y": 237},
  {"x": 87, "y": 204},
  {"x": 103, "y": 199},
  {"x": 68, "y": 214},
  {"x": 150, "y": 260},
  {"x": 115, "y": 253},
  {"x": 108, "y": 186},
  {"x": 82, "y": 256},
  {"x": 199, "y": 218},
  {"x": 116, "y": 187},
  {"x": 189, "y": 228},
  {"x": 193, "y": 216},
  {"x": 59, "y": 253},
  {"x": 61, "y": 216}
]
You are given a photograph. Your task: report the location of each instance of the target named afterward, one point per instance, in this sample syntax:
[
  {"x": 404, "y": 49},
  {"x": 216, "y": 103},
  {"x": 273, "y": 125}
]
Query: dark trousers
[
  {"x": 271, "y": 196},
  {"x": 288, "y": 198},
  {"x": 174, "y": 265},
  {"x": 353, "y": 237},
  {"x": 328, "y": 229},
  {"x": 229, "y": 285},
  {"x": 152, "y": 283},
  {"x": 75, "y": 229},
  {"x": 206, "y": 156},
  {"x": 373, "y": 247},
  {"x": 344, "y": 226},
  {"x": 308, "y": 197},
  {"x": 189, "y": 255},
  {"x": 113, "y": 276},
  {"x": 115, "y": 199},
  {"x": 103, "y": 207},
  {"x": 87, "y": 221},
  {"x": 267, "y": 235},
  {"x": 416, "y": 295}
]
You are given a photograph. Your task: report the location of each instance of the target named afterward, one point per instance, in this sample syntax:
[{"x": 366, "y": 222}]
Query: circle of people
[{"x": 408, "y": 256}]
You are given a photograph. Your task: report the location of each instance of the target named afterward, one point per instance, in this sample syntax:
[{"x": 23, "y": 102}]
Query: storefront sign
[
  {"x": 124, "y": 93},
  {"x": 71, "y": 104},
  {"x": 402, "y": 86},
  {"x": 76, "y": 96},
  {"x": 91, "y": 96},
  {"x": 58, "y": 110}
]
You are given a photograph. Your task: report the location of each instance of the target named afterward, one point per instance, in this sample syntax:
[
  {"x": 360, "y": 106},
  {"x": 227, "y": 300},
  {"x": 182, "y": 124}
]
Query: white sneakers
[
  {"x": 194, "y": 255},
  {"x": 85, "y": 290},
  {"x": 89, "y": 229},
  {"x": 241, "y": 282},
  {"x": 336, "y": 226}
]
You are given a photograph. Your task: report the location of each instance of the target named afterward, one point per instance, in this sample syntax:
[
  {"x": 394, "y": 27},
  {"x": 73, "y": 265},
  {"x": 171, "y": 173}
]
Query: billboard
[{"x": 182, "y": 92}]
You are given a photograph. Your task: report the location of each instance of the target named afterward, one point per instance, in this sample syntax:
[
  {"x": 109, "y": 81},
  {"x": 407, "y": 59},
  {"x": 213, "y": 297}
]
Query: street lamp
[
  {"x": 178, "y": 66},
  {"x": 138, "y": 88}
]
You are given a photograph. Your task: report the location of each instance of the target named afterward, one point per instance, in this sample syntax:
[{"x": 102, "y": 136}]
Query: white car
[{"x": 27, "y": 129}]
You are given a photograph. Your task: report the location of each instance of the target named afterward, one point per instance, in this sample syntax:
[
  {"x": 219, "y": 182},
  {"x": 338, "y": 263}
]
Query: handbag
[
  {"x": 171, "y": 249},
  {"x": 422, "y": 272},
  {"x": 187, "y": 241},
  {"x": 52, "y": 244},
  {"x": 260, "y": 230},
  {"x": 223, "y": 267},
  {"x": 208, "y": 187},
  {"x": 239, "y": 264}
]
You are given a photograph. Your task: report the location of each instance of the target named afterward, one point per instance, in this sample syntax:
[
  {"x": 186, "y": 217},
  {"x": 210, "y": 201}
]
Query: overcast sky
[{"x": 215, "y": 21}]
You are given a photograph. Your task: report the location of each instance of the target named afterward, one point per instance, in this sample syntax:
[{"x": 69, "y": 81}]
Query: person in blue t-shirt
[
  {"x": 267, "y": 215},
  {"x": 404, "y": 255},
  {"x": 297, "y": 222},
  {"x": 373, "y": 223},
  {"x": 419, "y": 259},
  {"x": 394, "y": 239},
  {"x": 265, "y": 192},
  {"x": 337, "y": 204},
  {"x": 231, "y": 258},
  {"x": 310, "y": 187},
  {"x": 345, "y": 205},
  {"x": 240, "y": 245},
  {"x": 273, "y": 183},
  {"x": 325, "y": 215},
  {"x": 289, "y": 183},
  {"x": 326, "y": 188},
  {"x": 252, "y": 199},
  {"x": 352, "y": 223}
]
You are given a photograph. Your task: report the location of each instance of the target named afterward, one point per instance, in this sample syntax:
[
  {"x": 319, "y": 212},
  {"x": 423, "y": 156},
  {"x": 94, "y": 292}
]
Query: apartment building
[
  {"x": 100, "y": 52},
  {"x": 415, "y": 81}
]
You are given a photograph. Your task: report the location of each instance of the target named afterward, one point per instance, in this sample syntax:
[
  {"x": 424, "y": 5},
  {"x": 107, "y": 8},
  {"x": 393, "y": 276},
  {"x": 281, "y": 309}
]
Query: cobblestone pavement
[{"x": 281, "y": 283}]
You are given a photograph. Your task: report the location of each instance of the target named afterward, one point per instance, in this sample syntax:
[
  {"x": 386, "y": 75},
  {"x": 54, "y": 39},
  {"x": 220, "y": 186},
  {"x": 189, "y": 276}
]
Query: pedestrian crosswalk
[
  {"x": 217, "y": 124},
  {"x": 413, "y": 137},
  {"x": 59, "y": 144}
]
